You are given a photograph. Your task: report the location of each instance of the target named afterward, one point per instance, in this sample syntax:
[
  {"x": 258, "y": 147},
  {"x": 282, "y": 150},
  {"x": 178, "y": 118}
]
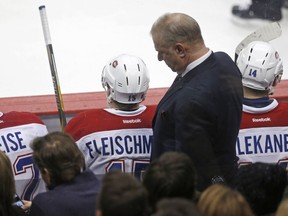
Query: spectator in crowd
[
  {"x": 201, "y": 112},
  {"x": 282, "y": 208},
  {"x": 72, "y": 187},
  {"x": 265, "y": 120},
  {"x": 171, "y": 175},
  {"x": 7, "y": 189},
  {"x": 262, "y": 185},
  {"x": 122, "y": 195},
  {"x": 118, "y": 137},
  {"x": 285, "y": 194},
  {"x": 221, "y": 200},
  {"x": 17, "y": 130},
  {"x": 269, "y": 10},
  {"x": 176, "y": 207}
]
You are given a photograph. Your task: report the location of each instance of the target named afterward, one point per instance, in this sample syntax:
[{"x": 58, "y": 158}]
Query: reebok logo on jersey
[
  {"x": 261, "y": 119},
  {"x": 132, "y": 121}
]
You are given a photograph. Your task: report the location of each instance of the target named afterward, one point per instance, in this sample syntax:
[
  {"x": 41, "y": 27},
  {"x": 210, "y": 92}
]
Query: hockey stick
[
  {"x": 53, "y": 69},
  {"x": 265, "y": 33}
]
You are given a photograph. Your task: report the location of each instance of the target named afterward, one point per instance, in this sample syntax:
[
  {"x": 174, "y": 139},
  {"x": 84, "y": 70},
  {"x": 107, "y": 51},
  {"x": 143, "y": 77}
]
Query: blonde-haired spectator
[
  {"x": 282, "y": 209},
  {"x": 221, "y": 200}
]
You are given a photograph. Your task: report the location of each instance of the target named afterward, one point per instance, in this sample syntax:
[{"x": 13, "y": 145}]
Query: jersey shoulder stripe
[
  {"x": 99, "y": 120},
  {"x": 15, "y": 118}
]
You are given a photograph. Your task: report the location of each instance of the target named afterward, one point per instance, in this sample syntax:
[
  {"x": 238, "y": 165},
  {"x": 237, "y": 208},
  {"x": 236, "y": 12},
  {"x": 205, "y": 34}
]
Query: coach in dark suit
[{"x": 200, "y": 114}]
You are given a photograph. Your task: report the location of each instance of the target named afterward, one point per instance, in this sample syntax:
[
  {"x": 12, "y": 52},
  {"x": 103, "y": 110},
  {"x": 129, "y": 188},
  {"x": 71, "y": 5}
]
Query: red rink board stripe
[
  {"x": 77, "y": 102},
  {"x": 73, "y": 103}
]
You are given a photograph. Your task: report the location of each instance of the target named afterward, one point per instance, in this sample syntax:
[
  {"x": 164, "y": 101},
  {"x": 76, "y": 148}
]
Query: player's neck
[
  {"x": 123, "y": 107},
  {"x": 254, "y": 94}
]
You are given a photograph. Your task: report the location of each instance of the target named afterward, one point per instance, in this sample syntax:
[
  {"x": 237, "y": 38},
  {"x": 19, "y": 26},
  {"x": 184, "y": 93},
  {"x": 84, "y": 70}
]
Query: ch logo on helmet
[
  {"x": 114, "y": 64},
  {"x": 253, "y": 72}
]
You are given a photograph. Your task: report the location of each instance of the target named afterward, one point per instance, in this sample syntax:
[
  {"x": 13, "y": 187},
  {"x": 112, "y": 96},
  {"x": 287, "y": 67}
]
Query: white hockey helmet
[
  {"x": 260, "y": 65},
  {"x": 126, "y": 77}
]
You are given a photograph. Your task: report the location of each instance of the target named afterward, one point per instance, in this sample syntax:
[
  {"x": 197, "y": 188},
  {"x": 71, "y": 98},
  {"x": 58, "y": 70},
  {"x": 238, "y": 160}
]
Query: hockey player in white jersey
[
  {"x": 120, "y": 136},
  {"x": 263, "y": 135},
  {"x": 17, "y": 130}
]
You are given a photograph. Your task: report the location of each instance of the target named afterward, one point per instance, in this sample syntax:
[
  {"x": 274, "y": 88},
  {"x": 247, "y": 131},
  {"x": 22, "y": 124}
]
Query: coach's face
[{"x": 171, "y": 54}]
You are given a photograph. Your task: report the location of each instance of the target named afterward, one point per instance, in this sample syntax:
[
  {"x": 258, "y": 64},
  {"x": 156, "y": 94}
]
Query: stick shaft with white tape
[
  {"x": 53, "y": 68},
  {"x": 265, "y": 33}
]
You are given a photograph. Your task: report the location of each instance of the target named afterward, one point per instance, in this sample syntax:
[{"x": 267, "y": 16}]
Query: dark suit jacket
[
  {"x": 77, "y": 198},
  {"x": 200, "y": 115}
]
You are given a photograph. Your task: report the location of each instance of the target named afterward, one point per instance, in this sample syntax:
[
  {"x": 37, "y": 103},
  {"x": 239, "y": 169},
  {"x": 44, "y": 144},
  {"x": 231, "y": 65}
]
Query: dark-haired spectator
[
  {"x": 122, "y": 195},
  {"x": 72, "y": 189},
  {"x": 171, "y": 175},
  {"x": 262, "y": 185}
]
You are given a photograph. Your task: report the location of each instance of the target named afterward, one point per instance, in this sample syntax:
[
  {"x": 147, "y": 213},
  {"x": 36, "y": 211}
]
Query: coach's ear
[
  {"x": 180, "y": 49},
  {"x": 98, "y": 212}
]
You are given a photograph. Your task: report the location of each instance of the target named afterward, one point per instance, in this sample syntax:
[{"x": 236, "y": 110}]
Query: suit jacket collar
[{"x": 179, "y": 85}]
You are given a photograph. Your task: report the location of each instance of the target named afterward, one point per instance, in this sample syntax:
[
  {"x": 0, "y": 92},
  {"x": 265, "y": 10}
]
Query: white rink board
[{"x": 85, "y": 34}]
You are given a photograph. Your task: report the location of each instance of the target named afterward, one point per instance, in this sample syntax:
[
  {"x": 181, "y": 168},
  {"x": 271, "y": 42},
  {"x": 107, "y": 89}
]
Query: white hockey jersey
[
  {"x": 17, "y": 130},
  {"x": 113, "y": 139},
  {"x": 263, "y": 135}
]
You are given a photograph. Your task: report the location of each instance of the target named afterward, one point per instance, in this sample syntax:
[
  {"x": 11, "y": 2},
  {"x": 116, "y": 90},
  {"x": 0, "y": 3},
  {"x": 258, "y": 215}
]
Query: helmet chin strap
[
  {"x": 108, "y": 93},
  {"x": 109, "y": 96},
  {"x": 109, "y": 100},
  {"x": 275, "y": 83}
]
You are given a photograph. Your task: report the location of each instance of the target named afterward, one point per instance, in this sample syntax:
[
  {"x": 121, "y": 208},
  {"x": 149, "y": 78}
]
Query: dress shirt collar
[{"x": 196, "y": 63}]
